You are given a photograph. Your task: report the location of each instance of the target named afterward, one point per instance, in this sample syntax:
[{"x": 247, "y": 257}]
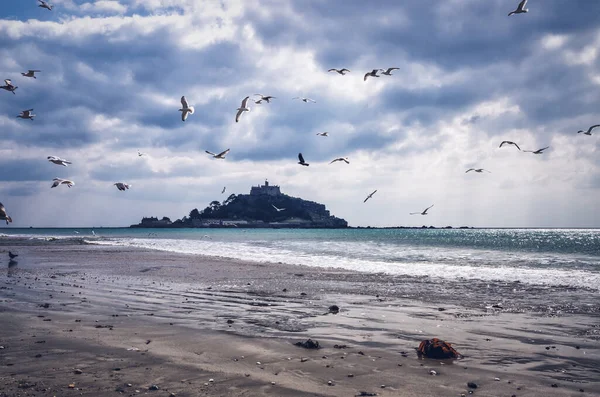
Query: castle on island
[
  {"x": 265, "y": 189},
  {"x": 264, "y": 207}
]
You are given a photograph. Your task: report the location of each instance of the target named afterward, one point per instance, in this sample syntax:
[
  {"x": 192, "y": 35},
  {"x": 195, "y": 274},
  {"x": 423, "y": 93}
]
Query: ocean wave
[{"x": 451, "y": 264}]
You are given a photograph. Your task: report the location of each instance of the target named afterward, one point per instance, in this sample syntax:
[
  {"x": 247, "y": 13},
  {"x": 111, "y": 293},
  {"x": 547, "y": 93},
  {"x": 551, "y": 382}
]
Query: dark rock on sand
[
  {"x": 437, "y": 348},
  {"x": 153, "y": 387},
  {"x": 308, "y": 344},
  {"x": 339, "y": 346},
  {"x": 334, "y": 309},
  {"x": 229, "y": 321},
  {"x": 472, "y": 385},
  {"x": 365, "y": 394},
  {"x": 78, "y": 372},
  {"x": 45, "y": 305}
]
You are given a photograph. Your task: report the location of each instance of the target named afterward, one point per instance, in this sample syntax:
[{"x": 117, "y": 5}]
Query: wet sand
[{"x": 128, "y": 319}]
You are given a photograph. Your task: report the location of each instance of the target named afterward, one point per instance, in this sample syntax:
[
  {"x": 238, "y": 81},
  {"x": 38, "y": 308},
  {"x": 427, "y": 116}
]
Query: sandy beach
[{"x": 90, "y": 320}]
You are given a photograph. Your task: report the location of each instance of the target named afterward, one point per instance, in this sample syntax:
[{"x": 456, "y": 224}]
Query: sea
[{"x": 545, "y": 257}]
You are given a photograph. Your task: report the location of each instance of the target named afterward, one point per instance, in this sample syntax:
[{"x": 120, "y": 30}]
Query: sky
[{"x": 469, "y": 77}]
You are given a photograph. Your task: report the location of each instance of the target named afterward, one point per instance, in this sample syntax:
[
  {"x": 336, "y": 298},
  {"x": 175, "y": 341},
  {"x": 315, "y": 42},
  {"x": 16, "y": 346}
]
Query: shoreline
[{"x": 182, "y": 303}]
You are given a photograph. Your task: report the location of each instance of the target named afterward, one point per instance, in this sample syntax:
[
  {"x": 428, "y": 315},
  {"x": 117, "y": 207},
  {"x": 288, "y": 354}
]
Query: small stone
[
  {"x": 229, "y": 321},
  {"x": 330, "y": 383},
  {"x": 554, "y": 385},
  {"x": 497, "y": 379},
  {"x": 472, "y": 385},
  {"x": 382, "y": 386},
  {"x": 211, "y": 380},
  {"x": 334, "y": 309},
  {"x": 78, "y": 372},
  {"x": 303, "y": 359},
  {"x": 71, "y": 385},
  {"x": 273, "y": 383},
  {"x": 153, "y": 387},
  {"x": 350, "y": 375},
  {"x": 172, "y": 395},
  {"x": 258, "y": 363},
  {"x": 432, "y": 372}
]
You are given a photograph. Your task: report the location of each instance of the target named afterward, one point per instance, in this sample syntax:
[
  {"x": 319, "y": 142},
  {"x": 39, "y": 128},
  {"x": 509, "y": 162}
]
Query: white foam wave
[{"x": 453, "y": 268}]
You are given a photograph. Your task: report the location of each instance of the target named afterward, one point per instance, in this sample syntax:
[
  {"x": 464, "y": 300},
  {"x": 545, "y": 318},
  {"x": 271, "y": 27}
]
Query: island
[{"x": 264, "y": 207}]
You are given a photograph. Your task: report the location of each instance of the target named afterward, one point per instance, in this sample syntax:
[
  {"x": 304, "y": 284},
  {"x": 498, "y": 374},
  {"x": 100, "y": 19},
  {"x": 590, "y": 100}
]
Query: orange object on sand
[{"x": 438, "y": 349}]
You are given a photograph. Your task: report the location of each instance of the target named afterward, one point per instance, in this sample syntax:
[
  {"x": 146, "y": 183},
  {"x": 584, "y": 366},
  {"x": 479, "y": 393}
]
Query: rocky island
[{"x": 264, "y": 207}]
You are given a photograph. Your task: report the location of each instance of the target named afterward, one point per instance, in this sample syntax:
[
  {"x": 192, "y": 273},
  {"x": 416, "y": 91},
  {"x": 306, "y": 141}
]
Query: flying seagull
[
  {"x": 8, "y": 86},
  {"x": 509, "y": 143},
  {"x": 223, "y": 191},
  {"x": 480, "y": 170},
  {"x": 372, "y": 73},
  {"x": 520, "y": 8},
  {"x": 220, "y": 155},
  {"x": 421, "y": 213},
  {"x": 3, "y": 215},
  {"x": 278, "y": 209},
  {"x": 58, "y": 161},
  {"x": 44, "y": 4},
  {"x": 305, "y": 100},
  {"x": 59, "y": 181},
  {"x": 266, "y": 98},
  {"x": 340, "y": 159},
  {"x": 11, "y": 255},
  {"x": 27, "y": 114},
  {"x": 140, "y": 154},
  {"x": 340, "y": 71},
  {"x": 185, "y": 109},
  {"x": 122, "y": 186},
  {"x": 589, "y": 131},
  {"x": 31, "y": 73},
  {"x": 323, "y": 133},
  {"x": 388, "y": 72},
  {"x": 539, "y": 151},
  {"x": 370, "y": 195},
  {"x": 301, "y": 160},
  {"x": 242, "y": 109}
]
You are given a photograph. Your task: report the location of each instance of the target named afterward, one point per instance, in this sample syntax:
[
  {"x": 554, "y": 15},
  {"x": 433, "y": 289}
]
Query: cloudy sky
[{"x": 470, "y": 77}]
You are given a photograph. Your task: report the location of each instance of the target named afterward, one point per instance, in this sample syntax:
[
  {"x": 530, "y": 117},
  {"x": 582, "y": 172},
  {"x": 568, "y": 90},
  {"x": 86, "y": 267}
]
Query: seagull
[
  {"x": 223, "y": 191},
  {"x": 520, "y": 8},
  {"x": 370, "y": 195},
  {"x": 278, "y": 209},
  {"x": 59, "y": 181},
  {"x": 27, "y": 114},
  {"x": 323, "y": 133},
  {"x": 539, "y": 151},
  {"x": 242, "y": 109},
  {"x": 43, "y": 4},
  {"x": 140, "y": 154},
  {"x": 93, "y": 233},
  {"x": 301, "y": 160},
  {"x": 220, "y": 155},
  {"x": 509, "y": 143},
  {"x": 266, "y": 98},
  {"x": 8, "y": 86},
  {"x": 185, "y": 109},
  {"x": 58, "y": 161},
  {"x": 305, "y": 100},
  {"x": 11, "y": 255},
  {"x": 421, "y": 213},
  {"x": 589, "y": 131},
  {"x": 122, "y": 186},
  {"x": 31, "y": 73},
  {"x": 3, "y": 215},
  {"x": 372, "y": 73},
  {"x": 480, "y": 170},
  {"x": 340, "y": 159},
  {"x": 388, "y": 72},
  {"x": 340, "y": 71}
]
